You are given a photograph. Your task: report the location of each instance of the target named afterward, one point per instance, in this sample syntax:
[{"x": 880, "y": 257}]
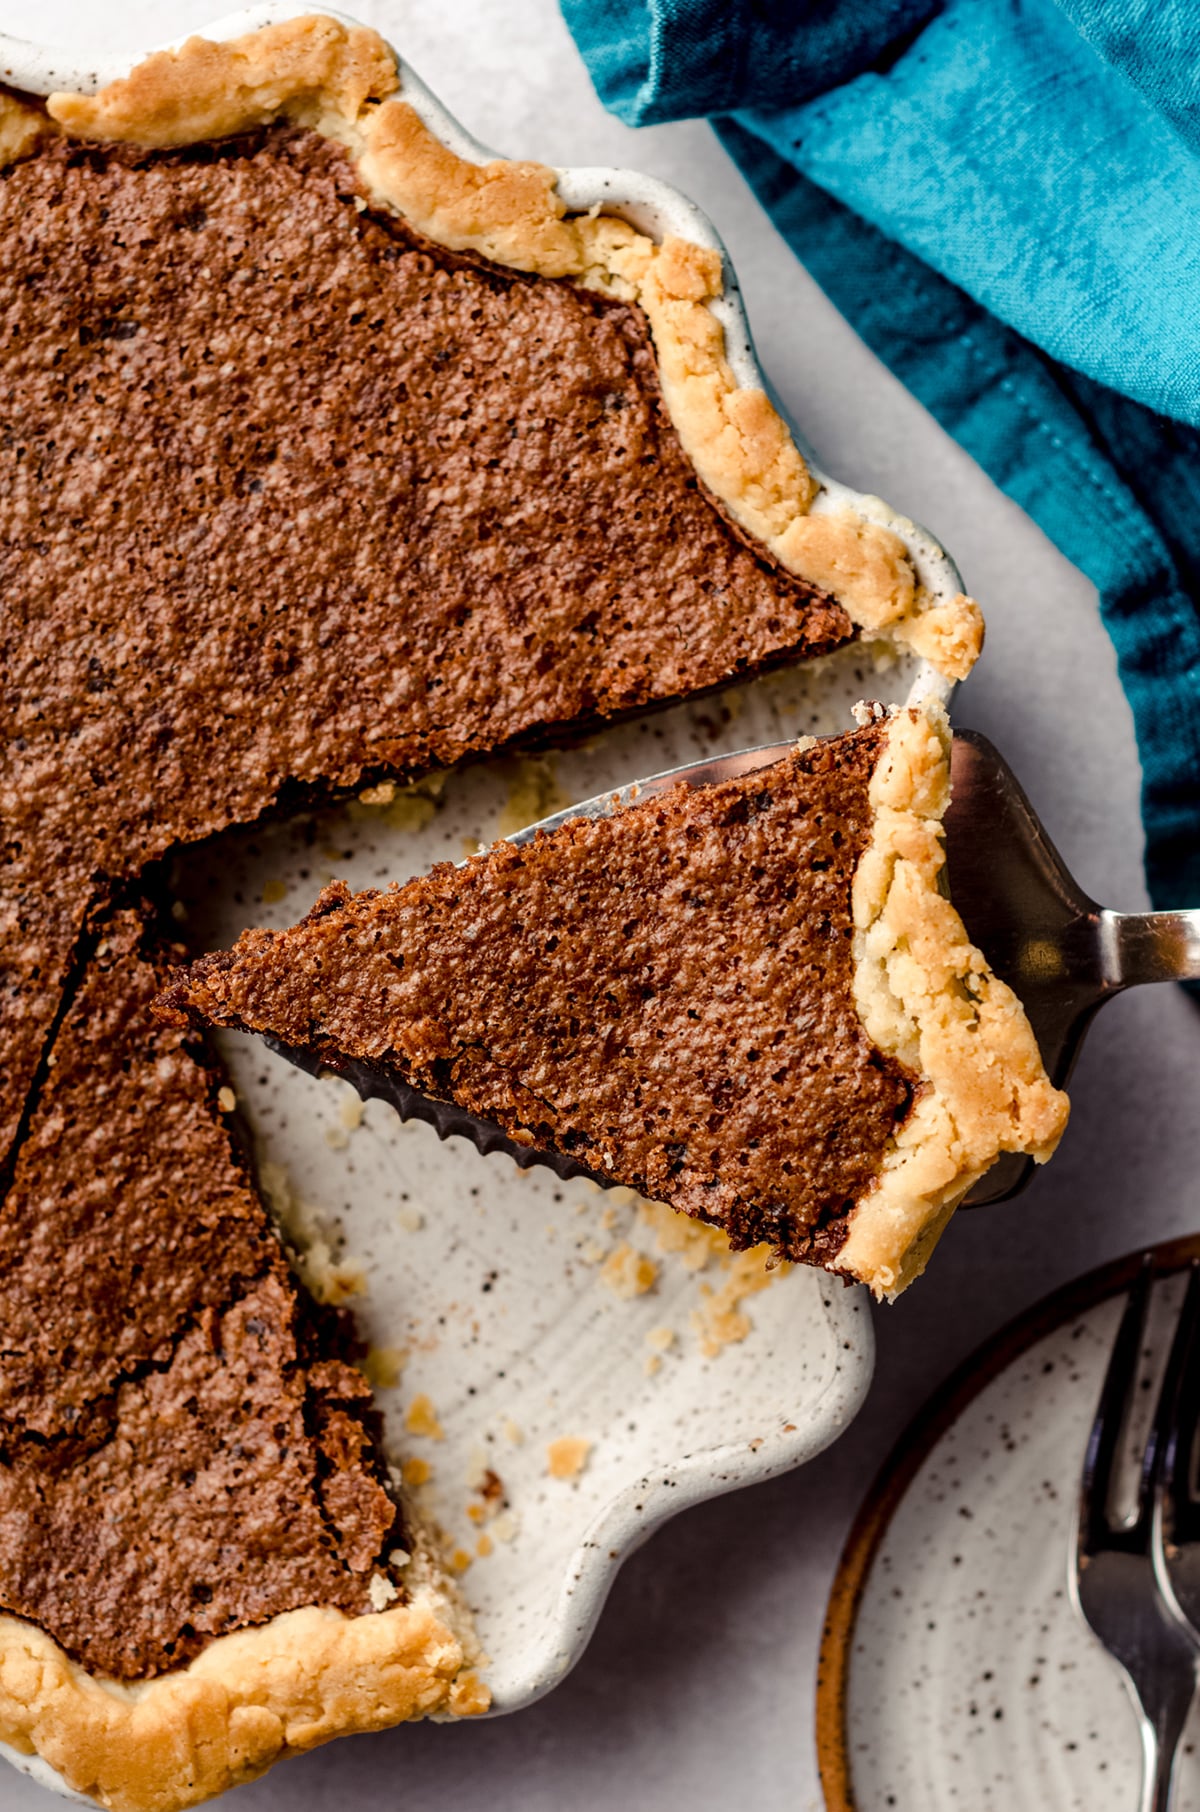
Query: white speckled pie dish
[
  {"x": 955, "y": 1675},
  {"x": 484, "y": 1284}
]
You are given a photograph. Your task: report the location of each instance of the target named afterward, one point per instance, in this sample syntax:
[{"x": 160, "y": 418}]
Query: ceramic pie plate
[
  {"x": 499, "y": 1300},
  {"x": 954, "y": 1672}
]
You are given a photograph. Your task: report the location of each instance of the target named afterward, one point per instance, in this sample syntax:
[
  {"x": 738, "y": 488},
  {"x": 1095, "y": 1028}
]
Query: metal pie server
[{"x": 1061, "y": 953}]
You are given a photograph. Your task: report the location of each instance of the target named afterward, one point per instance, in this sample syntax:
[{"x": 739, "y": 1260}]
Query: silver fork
[
  {"x": 1176, "y": 1503},
  {"x": 1119, "y": 1566}
]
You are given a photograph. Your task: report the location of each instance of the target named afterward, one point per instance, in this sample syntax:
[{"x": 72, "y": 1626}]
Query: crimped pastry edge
[
  {"x": 929, "y": 998},
  {"x": 247, "y": 1700},
  {"x": 342, "y": 81}
]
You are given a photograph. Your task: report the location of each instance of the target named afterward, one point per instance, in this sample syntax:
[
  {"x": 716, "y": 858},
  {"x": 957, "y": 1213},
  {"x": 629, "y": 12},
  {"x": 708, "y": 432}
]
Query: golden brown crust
[
  {"x": 928, "y": 997},
  {"x": 244, "y": 1703},
  {"x": 309, "y": 69},
  {"x": 342, "y": 80},
  {"x": 22, "y": 129}
]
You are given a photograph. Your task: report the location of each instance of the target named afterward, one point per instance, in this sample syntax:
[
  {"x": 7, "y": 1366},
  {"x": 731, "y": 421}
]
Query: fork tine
[
  {"x": 1179, "y": 1411},
  {"x": 1100, "y": 1460}
]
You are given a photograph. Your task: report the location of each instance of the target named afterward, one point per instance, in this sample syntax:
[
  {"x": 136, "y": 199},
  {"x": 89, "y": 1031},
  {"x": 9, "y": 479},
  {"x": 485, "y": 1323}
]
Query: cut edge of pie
[{"x": 342, "y": 81}]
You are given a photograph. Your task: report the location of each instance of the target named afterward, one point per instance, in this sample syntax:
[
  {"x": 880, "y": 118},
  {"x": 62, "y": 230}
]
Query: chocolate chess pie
[{"x": 326, "y": 457}]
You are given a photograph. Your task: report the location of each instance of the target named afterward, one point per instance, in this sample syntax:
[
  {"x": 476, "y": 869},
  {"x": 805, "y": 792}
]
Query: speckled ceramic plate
[
  {"x": 955, "y": 1675},
  {"x": 516, "y": 1311}
]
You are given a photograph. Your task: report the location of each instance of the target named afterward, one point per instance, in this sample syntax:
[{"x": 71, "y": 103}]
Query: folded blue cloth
[{"x": 1003, "y": 197}]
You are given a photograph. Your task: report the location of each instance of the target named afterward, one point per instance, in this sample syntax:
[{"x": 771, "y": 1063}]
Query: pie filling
[
  {"x": 665, "y": 995},
  {"x": 293, "y": 496},
  {"x": 185, "y": 1448}
]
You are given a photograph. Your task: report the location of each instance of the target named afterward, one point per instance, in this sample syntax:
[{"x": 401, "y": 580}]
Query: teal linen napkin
[{"x": 1003, "y": 197}]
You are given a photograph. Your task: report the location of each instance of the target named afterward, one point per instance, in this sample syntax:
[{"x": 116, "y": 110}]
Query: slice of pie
[
  {"x": 327, "y": 455},
  {"x": 203, "y": 1563},
  {"x": 750, "y": 1000}
]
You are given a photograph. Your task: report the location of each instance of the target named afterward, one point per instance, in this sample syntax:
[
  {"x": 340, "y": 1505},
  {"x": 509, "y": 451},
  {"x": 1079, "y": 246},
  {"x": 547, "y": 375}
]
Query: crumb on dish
[
  {"x": 422, "y": 1419},
  {"x": 628, "y": 1272},
  {"x": 567, "y": 1457}
]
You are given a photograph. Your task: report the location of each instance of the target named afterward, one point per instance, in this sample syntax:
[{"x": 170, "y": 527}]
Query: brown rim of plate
[{"x": 906, "y": 1458}]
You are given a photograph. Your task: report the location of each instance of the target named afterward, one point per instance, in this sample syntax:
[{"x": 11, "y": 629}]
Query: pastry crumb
[
  {"x": 659, "y": 1340},
  {"x": 460, "y": 1560},
  {"x": 273, "y": 892},
  {"x": 402, "y": 808},
  {"x": 422, "y": 1419},
  {"x": 399, "y": 1557},
  {"x": 337, "y": 1138},
  {"x": 720, "y": 1320},
  {"x": 381, "y": 1592},
  {"x": 513, "y": 1432},
  {"x": 653, "y": 1364},
  {"x": 383, "y": 1366},
  {"x": 504, "y": 1527},
  {"x": 226, "y": 1099},
  {"x": 350, "y": 1113},
  {"x": 415, "y": 1472},
  {"x": 593, "y": 1252},
  {"x": 383, "y": 794},
  {"x": 567, "y": 1457},
  {"x": 411, "y": 1219},
  {"x": 694, "y": 1242},
  {"x": 483, "y": 1547},
  {"x": 332, "y": 1281},
  {"x": 629, "y": 1273},
  {"x": 179, "y": 912}
]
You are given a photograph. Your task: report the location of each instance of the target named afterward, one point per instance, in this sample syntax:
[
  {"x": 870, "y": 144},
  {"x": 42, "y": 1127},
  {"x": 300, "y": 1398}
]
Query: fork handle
[
  {"x": 1152, "y": 946},
  {"x": 1160, "y": 1747}
]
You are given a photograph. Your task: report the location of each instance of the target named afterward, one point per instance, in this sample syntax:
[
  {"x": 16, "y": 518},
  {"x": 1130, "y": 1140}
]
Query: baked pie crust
[{"x": 928, "y": 998}]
